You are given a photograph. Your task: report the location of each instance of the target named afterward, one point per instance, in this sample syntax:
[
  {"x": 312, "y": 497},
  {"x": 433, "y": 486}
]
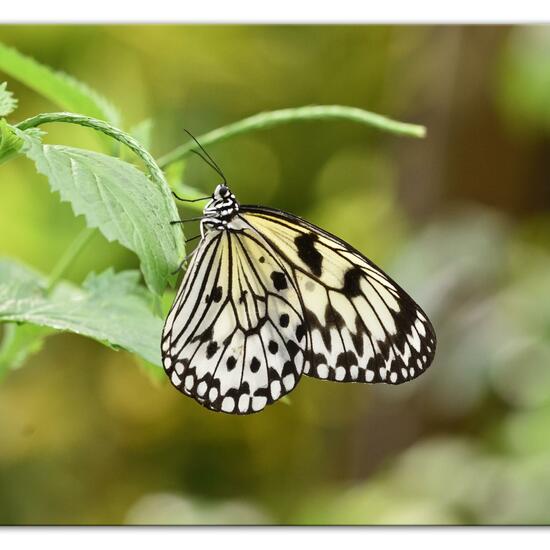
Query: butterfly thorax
[{"x": 220, "y": 210}]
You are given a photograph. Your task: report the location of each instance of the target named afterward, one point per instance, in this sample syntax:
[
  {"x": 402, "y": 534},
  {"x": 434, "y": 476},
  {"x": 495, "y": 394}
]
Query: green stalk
[
  {"x": 263, "y": 121},
  {"x": 70, "y": 255}
]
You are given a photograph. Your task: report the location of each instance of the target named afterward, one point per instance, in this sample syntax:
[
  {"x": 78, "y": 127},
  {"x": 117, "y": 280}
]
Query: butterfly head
[
  {"x": 221, "y": 209},
  {"x": 222, "y": 192}
]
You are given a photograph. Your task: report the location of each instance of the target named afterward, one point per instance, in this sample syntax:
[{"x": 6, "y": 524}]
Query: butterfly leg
[
  {"x": 187, "y": 258},
  {"x": 175, "y": 222}
]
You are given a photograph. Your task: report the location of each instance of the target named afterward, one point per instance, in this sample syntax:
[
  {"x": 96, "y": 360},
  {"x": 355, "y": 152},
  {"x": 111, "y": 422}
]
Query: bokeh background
[{"x": 461, "y": 219}]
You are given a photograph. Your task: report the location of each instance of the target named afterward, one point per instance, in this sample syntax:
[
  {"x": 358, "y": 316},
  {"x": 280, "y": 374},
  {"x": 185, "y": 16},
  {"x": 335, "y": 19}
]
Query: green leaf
[
  {"x": 111, "y": 308},
  {"x": 8, "y": 103},
  {"x": 61, "y": 89},
  {"x": 10, "y": 143},
  {"x": 119, "y": 200},
  {"x": 109, "y": 130},
  {"x": 19, "y": 342}
]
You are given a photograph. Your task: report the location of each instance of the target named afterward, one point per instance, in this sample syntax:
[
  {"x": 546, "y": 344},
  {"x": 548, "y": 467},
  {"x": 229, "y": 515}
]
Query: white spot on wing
[
  {"x": 414, "y": 339},
  {"x": 258, "y": 403},
  {"x": 420, "y": 327},
  {"x": 406, "y": 353},
  {"x": 322, "y": 371},
  {"x": 244, "y": 402},
  {"x": 228, "y": 404},
  {"x": 288, "y": 382},
  {"x": 275, "y": 389}
]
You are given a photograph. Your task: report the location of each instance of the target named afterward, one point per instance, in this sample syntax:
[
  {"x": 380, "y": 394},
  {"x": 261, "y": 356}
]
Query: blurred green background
[{"x": 460, "y": 219}]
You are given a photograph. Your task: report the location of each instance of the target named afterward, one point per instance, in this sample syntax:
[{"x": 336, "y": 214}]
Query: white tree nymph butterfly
[{"x": 268, "y": 297}]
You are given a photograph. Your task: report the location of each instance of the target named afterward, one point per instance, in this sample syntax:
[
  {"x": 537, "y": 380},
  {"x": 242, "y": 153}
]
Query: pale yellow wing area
[{"x": 363, "y": 326}]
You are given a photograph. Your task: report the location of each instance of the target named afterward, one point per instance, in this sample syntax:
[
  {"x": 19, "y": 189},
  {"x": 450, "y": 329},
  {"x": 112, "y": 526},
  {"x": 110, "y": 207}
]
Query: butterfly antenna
[
  {"x": 191, "y": 200},
  {"x": 209, "y": 160},
  {"x": 205, "y": 159}
]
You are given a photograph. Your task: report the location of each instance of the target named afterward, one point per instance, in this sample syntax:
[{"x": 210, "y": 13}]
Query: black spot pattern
[
  {"x": 346, "y": 359},
  {"x": 211, "y": 349},
  {"x": 357, "y": 337},
  {"x": 319, "y": 359},
  {"x": 333, "y": 318},
  {"x": 204, "y": 336},
  {"x": 273, "y": 347},
  {"x": 352, "y": 279},
  {"x": 292, "y": 348},
  {"x": 284, "y": 320},
  {"x": 217, "y": 294},
  {"x": 305, "y": 243},
  {"x": 231, "y": 362},
  {"x": 254, "y": 364},
  {"x": 227, "y": 341},
  {"x": 279, "y": 280}
]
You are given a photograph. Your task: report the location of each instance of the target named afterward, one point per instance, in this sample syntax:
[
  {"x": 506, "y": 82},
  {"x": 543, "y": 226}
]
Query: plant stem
[
  {"x": 70, "y": 255},
  {"x": 316, "y": 112}
]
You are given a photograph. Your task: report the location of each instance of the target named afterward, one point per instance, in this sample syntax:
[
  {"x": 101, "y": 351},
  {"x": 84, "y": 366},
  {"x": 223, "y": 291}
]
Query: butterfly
[{"x": 268, "y": 297}]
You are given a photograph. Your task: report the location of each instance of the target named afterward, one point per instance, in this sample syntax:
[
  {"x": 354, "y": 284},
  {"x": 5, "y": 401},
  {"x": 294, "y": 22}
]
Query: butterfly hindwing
[
  {"x": 363, "y": 326},
  {"x": 235, "y": 338}
]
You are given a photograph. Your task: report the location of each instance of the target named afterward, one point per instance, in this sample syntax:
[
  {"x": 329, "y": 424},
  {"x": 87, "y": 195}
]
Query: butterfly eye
[{"x": 221, "y": 191}]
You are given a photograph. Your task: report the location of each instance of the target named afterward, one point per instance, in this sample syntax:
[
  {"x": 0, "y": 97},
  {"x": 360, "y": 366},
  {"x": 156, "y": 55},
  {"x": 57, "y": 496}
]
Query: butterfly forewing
[
  {"x": 363, "y": 326},
  {"x": 235, "y": 338}
]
